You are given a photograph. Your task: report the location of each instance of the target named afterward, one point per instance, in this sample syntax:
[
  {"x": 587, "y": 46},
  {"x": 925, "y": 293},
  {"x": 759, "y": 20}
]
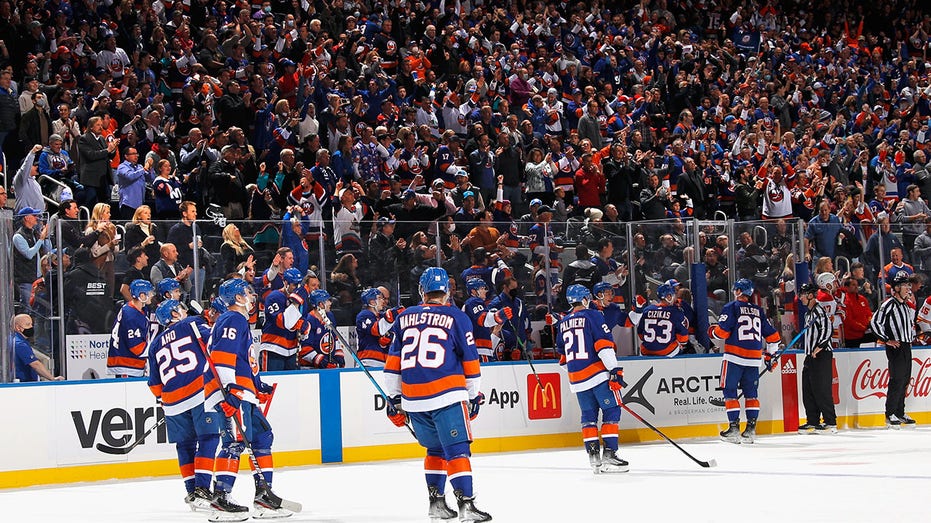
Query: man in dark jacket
[
  {"x": 690, "y": 185},
  {"x": 87, "y": 296},
  {"x": 9, "y": 109},
  {"x": 385, "y": 251},
  {"x": 411, "y": 216},
  {"x": 621, "y": 175},
  {"x": 36, "y": 125},
  {"x": 96, "y": 153},
  {"x": 227, "y": 187}
]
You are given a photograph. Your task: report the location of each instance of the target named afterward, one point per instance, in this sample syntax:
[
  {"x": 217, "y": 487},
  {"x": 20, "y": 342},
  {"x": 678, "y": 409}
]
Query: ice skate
[
  {"x": 611, "y": 464},
  {"x": 907, "y": 421},
  {"x": 749, "y": 433},
  {"x": 226, "y": 509},
  {"x": 893, "y": 422},
  {"x": 593, "y": 448},
  {"x": 268, "y": 506},
  {"x": 468, "y": 512},
  {"x": 824, "y": 428},
  {"x": 732, "y": 434},
  {"x": 199, "y": 500},
  {"x": 807, "y": 428},
  {"x": 439, "y": 510}
]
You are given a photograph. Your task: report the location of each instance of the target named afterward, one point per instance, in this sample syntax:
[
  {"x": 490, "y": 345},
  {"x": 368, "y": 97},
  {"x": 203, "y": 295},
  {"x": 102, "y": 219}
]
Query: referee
[
  {"x": 894, "y": 325},
  {"x": 816, "y": 371}
]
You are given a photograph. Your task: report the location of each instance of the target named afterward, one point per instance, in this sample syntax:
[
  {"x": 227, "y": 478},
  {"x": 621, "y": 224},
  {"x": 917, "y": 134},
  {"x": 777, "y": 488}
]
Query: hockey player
[
  {"x": 169, "y": 289},
  {"x": 177, "y": 380},
  {"x": 745, "y": 329},
  {"x": 614, "y": 313},
  {"x": 515, "y": 331},
  {"x": 662, "y": 327},
  {"x": 432, "y": 375},
  {"x": 373, "y": 329},
  {"x": 126, "y": 356},
  {"x": 235, "y": 390},
  {"x": 586, "y": 350},
  {"x": 484, "y": 320},
  {"x": 319, "y": 349},
  {"x": 283, "y": 324}
]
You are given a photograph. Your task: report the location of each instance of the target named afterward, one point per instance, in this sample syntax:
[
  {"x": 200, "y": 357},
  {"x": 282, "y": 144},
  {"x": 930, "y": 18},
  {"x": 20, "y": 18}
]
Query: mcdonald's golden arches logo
[{"x": 545, "y": 402}]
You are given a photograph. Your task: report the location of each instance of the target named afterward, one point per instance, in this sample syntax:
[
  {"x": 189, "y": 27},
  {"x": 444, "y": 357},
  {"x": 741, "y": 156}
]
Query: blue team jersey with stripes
[
  {"x": 177, "y": 363},
  {"x": 582, "y": 335},
  {"x": 230, "y": 348},
  {"x": 128, "y": 340}
]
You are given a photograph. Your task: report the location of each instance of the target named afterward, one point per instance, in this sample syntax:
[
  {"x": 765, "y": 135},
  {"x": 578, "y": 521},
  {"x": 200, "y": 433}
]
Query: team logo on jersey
[
  {"x": 776, "y": 195},
  {"x": 116, "y": 65},
  {"x": 544, "y": 402}
]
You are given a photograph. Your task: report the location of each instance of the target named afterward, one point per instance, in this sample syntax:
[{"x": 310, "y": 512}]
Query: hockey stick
[
  {"x": 720, "y": 403},
  {"x": 366, "y": 371},
  {"x": 270, "y": 398},
  {"x": 523, "y": 347},
  {"x": 292, "y": 506},
  {"x": 106, "y": 449},
  {"x": 706, "y": 464}
]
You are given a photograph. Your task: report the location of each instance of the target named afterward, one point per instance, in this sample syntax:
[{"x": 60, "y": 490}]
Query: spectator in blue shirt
[
  {"x": 132, "y": 177},
  {"x": 26, "y": 366},
  {"x": 822, "y": 231}
]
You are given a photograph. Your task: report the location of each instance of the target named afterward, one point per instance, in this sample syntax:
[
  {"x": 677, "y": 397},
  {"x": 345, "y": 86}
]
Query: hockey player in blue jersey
[
  {"x": 319, "y": 349},
  {"x": 177, "y": 365},
  {"x": 284, "y": 323},
  {"x": 662, "y": 327},
  {"x": 126, "y": 356},
  {"x": 586, "y": 350},
  {"x": 615, "y": 315},
  {"x": 515, "y": 331},
  {"x": 483, "y": 320},
  {"x": 373, "y": 329},
  {"x": 432, "y": 375},
  {"x": 745, "y": 330},
  {"x": 237, "y": 390}
]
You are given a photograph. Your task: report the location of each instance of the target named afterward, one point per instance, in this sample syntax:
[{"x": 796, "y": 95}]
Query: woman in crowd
[{"x": 234, "y": 249}]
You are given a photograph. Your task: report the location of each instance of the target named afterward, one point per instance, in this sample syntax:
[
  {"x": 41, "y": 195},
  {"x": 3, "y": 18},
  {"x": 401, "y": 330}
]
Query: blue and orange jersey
[
  {"x": 319, "y": 348},
  {"x": 483, "y": 272},
  {"x": 475, "y": 309},
  {"x": 432, "y": 361},
  {"x": 279, "y": 333},
  {"x": 745, "y": 329},
  {"x": 230, "y": 349},
  {"x": 446, "y": 162},
  {"x": 267, "y": 285},
  {"x": 614, "y": 314},
  {"x": 177, "y": 360},
  {"x": 607, "y": 269},
  {"x": 541, "y": 239},
  {"x": 583, "y": 337},
  {"x": 127, "y": 353},
  {"x": 372, "y": 344},
  {"x": 662, "y": 330}
]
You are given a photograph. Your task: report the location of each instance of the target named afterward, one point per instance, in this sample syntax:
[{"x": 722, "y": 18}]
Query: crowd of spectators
[{"x": 409, "y": 134}]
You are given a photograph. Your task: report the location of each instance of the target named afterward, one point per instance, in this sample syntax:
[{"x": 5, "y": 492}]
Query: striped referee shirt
[
  {"x": 894, "y": 320},
  {"x": 819, "y": 330}
]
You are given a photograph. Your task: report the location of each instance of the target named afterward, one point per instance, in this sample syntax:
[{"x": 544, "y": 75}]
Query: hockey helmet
[
  {"x": 369, "y": 295},
  {"x": 475, "y": 284},
  {"x": 744, "y": 285},
  {"x": 434, "y": 279},
  {"x": 137, "y": 287},
  {"x": 167, "y": 285},
  {"x": 826, "y": 280},
  {"x": 600, "y": 287},
  {"x": 577, "y": 293},
  {"x": 808, "y": 288},
  {"x": 292, "y": 276},
  {"x": 163, "y": 313},
  {"x": 900, "y": 278},
  {"x": 232, "y": 288},
  {"x": 319, "y": 296}
]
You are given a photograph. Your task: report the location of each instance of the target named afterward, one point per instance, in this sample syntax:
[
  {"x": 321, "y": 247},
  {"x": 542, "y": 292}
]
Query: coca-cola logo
[{"x": 869, "y": 382}]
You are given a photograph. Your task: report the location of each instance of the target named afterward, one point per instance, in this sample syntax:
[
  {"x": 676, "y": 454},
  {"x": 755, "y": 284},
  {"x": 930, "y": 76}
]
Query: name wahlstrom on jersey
[{"x": 427, "y": 318}]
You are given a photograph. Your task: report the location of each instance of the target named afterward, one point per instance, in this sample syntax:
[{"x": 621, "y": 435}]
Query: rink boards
[{"x": 65, "y": 432}]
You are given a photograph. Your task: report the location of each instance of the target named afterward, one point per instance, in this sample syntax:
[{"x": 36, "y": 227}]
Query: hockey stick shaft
[
  {"x": 706, "y": 464},
  {"x": 125, "y": 450},
  {"x": 367, "y": 373},
  {"x": 526, "y": 354}
]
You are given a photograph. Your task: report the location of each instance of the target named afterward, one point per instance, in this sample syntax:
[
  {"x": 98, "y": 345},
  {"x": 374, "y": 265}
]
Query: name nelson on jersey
[
  {"x": 432, "y": 319},
  {"x": 750, "y": 311}
]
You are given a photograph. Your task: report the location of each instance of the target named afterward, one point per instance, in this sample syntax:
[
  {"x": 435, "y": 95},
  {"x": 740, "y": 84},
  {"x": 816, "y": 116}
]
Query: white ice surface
[{"x": 856, "y": 475}]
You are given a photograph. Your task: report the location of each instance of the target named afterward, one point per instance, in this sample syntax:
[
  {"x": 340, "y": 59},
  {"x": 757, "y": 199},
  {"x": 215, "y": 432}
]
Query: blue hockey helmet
[
  {"x": 369, "y": 295},
  {"x": 218, "y": 305},
  {"x": 744, "y": 285},
  {"x": 319, "y": 296},
  {"x": 137, "y": 287},
  {"x": 164, "y": 310},
  {"x": 167, "y": 285},
  {"x": 434, "y": 279},
  {"x": 601, "y": 287},
  {"x": 475, "y": 284},
  {"x": 576, "y": 293},
  {"x": 232, "y": 288},
  {"x": 292, "y": 276},
  {"x": 666, "y": 289}
]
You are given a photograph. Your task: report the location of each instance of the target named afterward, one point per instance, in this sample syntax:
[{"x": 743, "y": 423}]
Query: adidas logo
[{"x": 789, "y": 368}]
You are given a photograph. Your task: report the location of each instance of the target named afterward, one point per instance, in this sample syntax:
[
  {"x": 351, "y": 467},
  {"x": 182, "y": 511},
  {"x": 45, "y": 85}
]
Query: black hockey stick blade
[
  {"x": 119, "y": 451},
  {"x": 286, "y": 504},
  {"x": 706, "y": 464}
]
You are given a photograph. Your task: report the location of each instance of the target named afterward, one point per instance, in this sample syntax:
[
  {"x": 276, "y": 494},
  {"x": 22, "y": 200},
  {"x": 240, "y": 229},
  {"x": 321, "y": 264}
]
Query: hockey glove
[
  {"x": 231, "y": 402},
  {"x": 263, "y": 391},
  {"x": 392, "y": 314},
  {"x": 395, "y": 414},
  {"x": 504, "y": 315},
  {"x": 474, "y": 405},
  {"x": 296, "y": 299},
  {"x": 617, "y": 379},
  {"x": 770, "y": 360}
]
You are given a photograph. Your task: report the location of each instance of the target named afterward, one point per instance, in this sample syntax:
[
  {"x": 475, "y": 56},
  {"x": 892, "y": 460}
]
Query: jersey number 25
[{"x": 173, "y": 360}]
